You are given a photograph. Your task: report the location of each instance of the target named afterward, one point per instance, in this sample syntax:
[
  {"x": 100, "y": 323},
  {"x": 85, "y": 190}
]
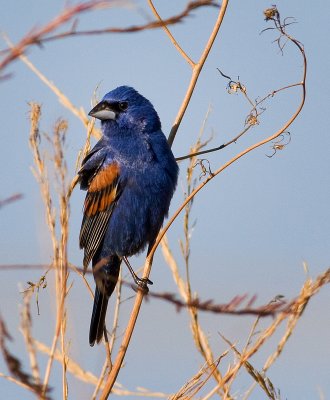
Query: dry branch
[
  {"x": 146, "y": 272},
  {"x": 11, "y": 199},
  {"x": 239, "y": 305},
  {"x": 38, "y": 36},
  {"x": 15, "y": 367}
]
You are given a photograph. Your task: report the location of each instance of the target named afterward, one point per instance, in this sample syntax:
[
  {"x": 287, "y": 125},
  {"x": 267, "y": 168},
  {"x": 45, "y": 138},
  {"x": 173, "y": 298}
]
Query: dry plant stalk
[
  {"x": 272, "y": 137},
  {"x": 60, "y": 256},
  {"x": 148, "y": 264},
  {"x": 291, "y": 312},
  {"x": 297, "y": 307},
  {"x": 70, "y": 13},
  {"x": 88, "y": 377},
  {"x": 26, "y": 326},
  {"x": 195, "y": 66},
  {"x": 196, "y": 383},
  {"x": 184, "y": 287},
  {"x": 246, "y": 151},
  {"x": 18, "y": 376},
  {"x": 11, "y": 199}
]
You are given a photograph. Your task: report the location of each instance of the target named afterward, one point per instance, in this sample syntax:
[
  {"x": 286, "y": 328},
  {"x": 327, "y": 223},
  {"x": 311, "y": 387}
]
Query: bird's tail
[{"x": 106, "y": 278}]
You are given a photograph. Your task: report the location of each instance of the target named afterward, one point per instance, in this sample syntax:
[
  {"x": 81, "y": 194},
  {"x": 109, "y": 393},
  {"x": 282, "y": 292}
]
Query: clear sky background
[{"x": 256, "y": 224}]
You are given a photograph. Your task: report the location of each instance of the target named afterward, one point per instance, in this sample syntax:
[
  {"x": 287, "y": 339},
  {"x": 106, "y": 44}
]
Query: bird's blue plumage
[{"x": 130, "y": 175}]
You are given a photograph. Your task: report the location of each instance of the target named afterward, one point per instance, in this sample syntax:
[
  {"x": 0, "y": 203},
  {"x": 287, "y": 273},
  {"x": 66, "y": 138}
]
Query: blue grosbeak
[{"x": 130, "y": 177}]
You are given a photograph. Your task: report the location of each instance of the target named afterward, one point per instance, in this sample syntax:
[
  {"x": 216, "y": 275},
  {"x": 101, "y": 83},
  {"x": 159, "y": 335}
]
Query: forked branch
[
  {"x": 196, "y": 71},
  {"x": 138, "y": 301}
]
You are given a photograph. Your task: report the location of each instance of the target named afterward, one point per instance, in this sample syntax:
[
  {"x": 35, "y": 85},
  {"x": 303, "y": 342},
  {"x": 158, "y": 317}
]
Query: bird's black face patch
[
  {"x": 117, "y": 106},
  {"x": 107, "y": 110}
]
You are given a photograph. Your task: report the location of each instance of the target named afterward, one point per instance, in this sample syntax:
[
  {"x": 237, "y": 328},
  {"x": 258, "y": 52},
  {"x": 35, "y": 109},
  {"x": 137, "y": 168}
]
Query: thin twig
[
  {"x": 147, "y": 268},
  {"x": 148, "y": 263},
  {"x": 170, "y": 35},
  {"x": 15, "y": 367},
  {"x": 200, "y": 338},
  {"x": 196, "y": 70},
  {"x": 242, "y": 153},
  {"x": 11, "y": 199},
  {"x": 16, "y": 381},
  {"x": 88, "y": 377},
  {"x": 70, "y": 13},
  {"x": 198, "y": 153},
  {"x": 124, "y": 345},
  {"x": 175, "y": 19},
  {"x": 26, "y": 324},
  {"x": 308, "y": 290}
]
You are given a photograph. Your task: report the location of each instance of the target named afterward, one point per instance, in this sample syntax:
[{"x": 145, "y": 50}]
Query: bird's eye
[{"x": 123, "y": 105}]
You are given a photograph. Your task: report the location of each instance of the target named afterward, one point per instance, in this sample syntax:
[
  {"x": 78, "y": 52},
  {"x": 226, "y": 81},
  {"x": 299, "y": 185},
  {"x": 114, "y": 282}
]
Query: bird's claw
[{"x": 142, "y": 284}]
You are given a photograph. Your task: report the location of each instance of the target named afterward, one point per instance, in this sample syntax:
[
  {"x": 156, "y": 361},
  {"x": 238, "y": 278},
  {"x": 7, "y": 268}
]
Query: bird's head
[{"x": 125, "y": 108}]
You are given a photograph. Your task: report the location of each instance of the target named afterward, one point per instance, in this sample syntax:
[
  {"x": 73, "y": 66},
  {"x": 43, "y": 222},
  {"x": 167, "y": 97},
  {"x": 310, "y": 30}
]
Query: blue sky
[{"x": 256, "y": 223}]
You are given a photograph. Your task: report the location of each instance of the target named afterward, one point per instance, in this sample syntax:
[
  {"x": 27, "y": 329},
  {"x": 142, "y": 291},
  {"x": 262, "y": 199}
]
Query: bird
[{"x": 130, "y": 176}]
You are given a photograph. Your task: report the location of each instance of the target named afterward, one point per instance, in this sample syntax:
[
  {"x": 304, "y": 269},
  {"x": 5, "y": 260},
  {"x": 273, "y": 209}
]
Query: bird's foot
[{"x": 142, "y": 284}]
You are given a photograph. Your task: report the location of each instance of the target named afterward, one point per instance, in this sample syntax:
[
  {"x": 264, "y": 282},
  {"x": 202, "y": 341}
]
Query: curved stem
[
  {"x": 226, "y": 165},
  {"x": 197, "y": 68},
  {"x": 139, "y": 297},
  {"x": 124, "y": 345},
  {"x": 198, "y": 153},
  {"x": 147, "y": 268},
  {"x": 242, "y": 153},
  {"x": 169, "y": 34}
]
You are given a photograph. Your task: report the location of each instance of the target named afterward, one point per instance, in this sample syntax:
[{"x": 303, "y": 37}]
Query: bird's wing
[
  {"x": 100, "y": 199},
  {"x": 91, "y": 164}
]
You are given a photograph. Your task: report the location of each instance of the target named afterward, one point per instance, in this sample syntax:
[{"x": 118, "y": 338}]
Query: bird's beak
[{"x": 102, "y": 111}]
